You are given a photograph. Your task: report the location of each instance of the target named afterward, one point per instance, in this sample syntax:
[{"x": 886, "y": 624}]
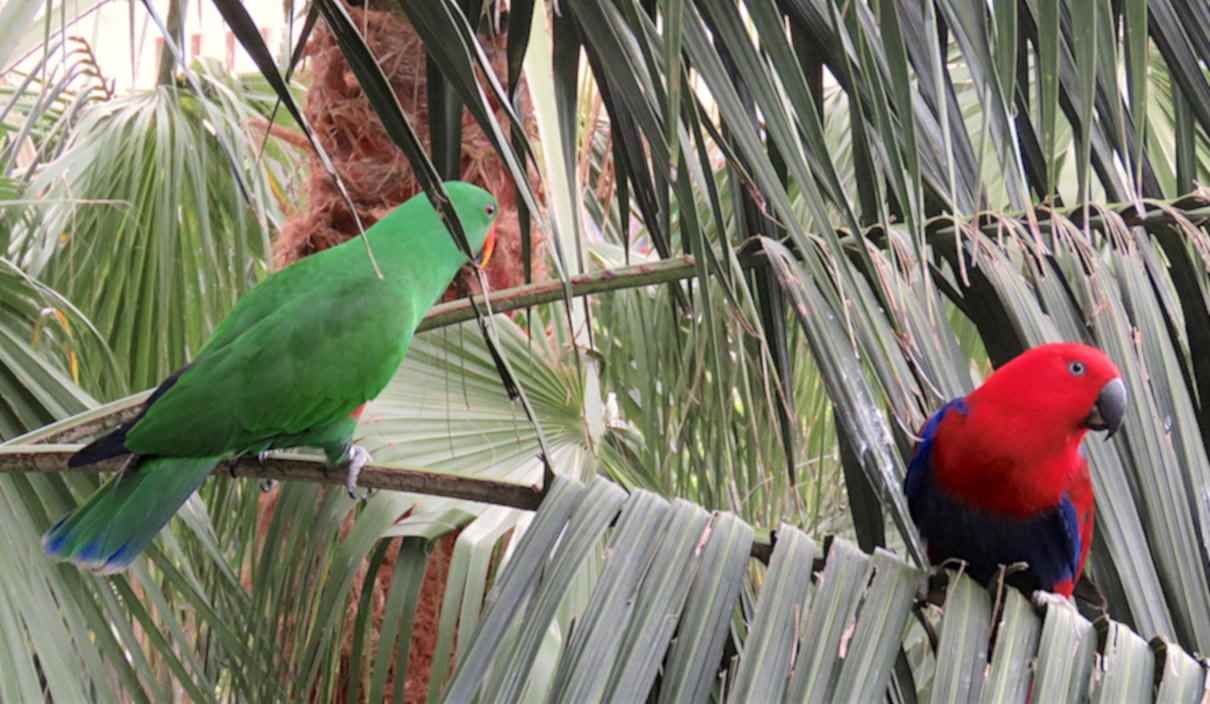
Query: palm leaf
[
  {"x": 1023, "y": 172},
  {"x": 228, "y": 562},
  {"x": 797, "y": 597},
  {"x": 152, "y": 162}
]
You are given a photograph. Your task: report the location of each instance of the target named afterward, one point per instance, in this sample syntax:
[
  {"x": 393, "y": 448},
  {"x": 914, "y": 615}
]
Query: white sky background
[{"x": 128, "y": 51}]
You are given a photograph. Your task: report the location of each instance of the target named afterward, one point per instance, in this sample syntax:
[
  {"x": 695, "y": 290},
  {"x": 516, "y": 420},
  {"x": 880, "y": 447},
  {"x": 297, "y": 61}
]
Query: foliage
[
  {"x": 248, "y": 593},
  {"x": 881, "y": 199},
  {"x": 156, "y": 162},
  {"x": 826, "y": 624}
]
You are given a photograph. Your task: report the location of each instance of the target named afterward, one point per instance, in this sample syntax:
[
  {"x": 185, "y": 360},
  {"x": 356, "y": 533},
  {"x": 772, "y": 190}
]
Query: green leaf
[
  {"x": 397, "y": 615},
  {"x": 1182, "y": 679},
  {"x": 690, "y": 670},
  {"x": 1127, "y": 666},
  {"x": 1017, "y": 635},
  {"x": 594, "y": 646},
  {"x": 962, "y": 653},
  {"x": 765, "y": 657},
  {"x": 869, "y": 656},
  {"x": 661, "y": 597},
  {"x": 1065, "y": 656},
  {"x": 829, "y": 622}
]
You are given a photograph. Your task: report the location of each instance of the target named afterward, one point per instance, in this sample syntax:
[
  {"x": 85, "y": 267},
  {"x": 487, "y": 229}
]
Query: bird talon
[
  {"x": 356, "y": 457},
  {"x": 360, "y": 498},
  {"x": 1042, "y": 600},
  {"x": 262, "y": 457}
]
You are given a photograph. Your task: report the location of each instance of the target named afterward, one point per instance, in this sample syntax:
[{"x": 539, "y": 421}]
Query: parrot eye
[
  {"x": 1076, "y": 368},
  {"x": 490, "y": 209}
]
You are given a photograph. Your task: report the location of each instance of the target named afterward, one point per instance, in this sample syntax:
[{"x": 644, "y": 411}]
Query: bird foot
[
  {"x": 1043, "y": 600},
  {"x": 356, "y": 457},
  {"x": 266, "y": 485}
]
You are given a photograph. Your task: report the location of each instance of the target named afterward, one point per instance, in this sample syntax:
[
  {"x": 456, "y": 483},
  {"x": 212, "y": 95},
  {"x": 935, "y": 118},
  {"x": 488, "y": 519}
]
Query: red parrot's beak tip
[
  {"x": 1109, "y": 409},
  {"x": 489, "y": 244}
]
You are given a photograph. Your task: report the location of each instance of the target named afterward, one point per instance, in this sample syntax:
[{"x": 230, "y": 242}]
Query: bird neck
[{"x": 421, "y": 264}]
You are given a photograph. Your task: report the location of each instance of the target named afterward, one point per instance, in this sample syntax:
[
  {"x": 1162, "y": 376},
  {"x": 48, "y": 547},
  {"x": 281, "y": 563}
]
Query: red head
[
  {"x": 1017, "y": 443},
  {"x": 1074, "y": 387}
]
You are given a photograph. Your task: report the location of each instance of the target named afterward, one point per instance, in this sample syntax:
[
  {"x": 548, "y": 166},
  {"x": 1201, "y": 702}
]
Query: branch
[
  {"x": 53, "y": 458},
  {"x": 510, "y": 299},
  {"x": 1193, "y": 207}
]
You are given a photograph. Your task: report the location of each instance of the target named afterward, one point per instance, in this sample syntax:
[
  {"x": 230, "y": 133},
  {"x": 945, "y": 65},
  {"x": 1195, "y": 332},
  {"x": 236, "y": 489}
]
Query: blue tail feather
[{"x": 120, "y": 520}]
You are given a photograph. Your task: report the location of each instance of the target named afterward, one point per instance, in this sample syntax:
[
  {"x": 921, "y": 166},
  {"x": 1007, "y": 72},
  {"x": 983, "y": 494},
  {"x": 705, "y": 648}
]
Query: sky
[{"x": 126, "y": 40}]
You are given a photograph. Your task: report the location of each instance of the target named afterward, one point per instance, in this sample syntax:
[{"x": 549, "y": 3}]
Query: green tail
[{"x": 123, "y": 516}]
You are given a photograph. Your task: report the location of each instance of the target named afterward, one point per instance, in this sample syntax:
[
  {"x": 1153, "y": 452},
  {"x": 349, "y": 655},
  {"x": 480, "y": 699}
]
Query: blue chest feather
[{"x": 1049, "y": 541}]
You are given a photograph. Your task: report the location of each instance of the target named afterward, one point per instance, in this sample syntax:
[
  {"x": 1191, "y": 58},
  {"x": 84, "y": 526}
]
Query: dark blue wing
[{"x": 919, "y": 469}]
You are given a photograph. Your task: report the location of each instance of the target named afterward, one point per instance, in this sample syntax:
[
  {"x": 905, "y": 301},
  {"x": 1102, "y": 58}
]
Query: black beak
[{"x": 1110, "y": 407}]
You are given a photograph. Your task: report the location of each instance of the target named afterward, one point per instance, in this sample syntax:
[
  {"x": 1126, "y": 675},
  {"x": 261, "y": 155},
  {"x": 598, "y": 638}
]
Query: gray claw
[
  {"x": 356, "y": 457},
  {"x": 266, "y": 485}
]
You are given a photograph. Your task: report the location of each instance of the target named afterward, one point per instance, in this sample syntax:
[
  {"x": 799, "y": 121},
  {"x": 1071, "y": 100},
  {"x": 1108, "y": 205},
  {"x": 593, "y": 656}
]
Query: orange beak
[{"x": 489, "y": 244}]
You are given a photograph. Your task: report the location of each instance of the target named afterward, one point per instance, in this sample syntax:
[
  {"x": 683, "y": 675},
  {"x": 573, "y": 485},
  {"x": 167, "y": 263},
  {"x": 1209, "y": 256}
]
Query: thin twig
[{"x": 663, "y": 271}]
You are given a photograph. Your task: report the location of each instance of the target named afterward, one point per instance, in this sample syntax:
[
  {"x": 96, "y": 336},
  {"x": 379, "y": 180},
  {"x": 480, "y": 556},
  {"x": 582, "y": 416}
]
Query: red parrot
[{"x": 999, "y": 476}]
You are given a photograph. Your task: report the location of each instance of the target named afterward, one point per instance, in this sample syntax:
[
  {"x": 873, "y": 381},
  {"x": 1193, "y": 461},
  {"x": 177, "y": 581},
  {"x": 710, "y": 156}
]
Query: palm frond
[
  {"x": 935, "y": 187},
  {"x": 160, "y": 249},
  {"x": 826, "y": 629},
  {"x": 237, "y": 557}
]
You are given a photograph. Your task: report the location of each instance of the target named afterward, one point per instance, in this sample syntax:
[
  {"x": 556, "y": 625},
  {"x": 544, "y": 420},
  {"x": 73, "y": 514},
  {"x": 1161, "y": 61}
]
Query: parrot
[
  {"x": 292, "y": 365},
  {"x": 1000, "y": 476}
]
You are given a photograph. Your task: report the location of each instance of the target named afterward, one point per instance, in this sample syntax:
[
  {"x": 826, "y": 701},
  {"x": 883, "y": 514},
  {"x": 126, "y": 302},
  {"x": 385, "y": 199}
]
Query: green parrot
[{"x": 292, "y": 365}]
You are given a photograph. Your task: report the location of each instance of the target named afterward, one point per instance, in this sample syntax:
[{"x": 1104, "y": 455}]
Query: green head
[
  {"x": 477, "y": 211},
  {"x": 413, "y": 241}
]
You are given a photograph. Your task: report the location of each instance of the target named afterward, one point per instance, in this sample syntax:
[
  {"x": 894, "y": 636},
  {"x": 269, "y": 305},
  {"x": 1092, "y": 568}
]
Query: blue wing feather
[{"x": 918, "y": 468}]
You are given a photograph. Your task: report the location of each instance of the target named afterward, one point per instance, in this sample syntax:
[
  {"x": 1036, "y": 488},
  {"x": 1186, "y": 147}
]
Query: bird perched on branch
[
  {"x": 999, "y": 476},
  {"x": 292, "y": 365}
]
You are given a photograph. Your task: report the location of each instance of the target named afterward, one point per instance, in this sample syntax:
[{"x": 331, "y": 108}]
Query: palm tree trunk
[{"x": 176, "y": 29}]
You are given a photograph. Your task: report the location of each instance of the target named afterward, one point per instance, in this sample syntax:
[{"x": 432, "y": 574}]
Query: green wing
[
  {"x": 303, "y": 364},
  {"x": 313, "y": 342},
  {"x": 293, "y": 282}
]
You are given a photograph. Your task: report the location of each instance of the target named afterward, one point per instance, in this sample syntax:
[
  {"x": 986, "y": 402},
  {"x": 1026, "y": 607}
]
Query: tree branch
[
  {"x": 510, "y": 299},
  {"x": 53, "y": 458},
  {"x": 1192, "y": 207}
]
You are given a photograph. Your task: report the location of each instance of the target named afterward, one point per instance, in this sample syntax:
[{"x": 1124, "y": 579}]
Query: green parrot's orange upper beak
[{"x": 489, "y": 244}]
